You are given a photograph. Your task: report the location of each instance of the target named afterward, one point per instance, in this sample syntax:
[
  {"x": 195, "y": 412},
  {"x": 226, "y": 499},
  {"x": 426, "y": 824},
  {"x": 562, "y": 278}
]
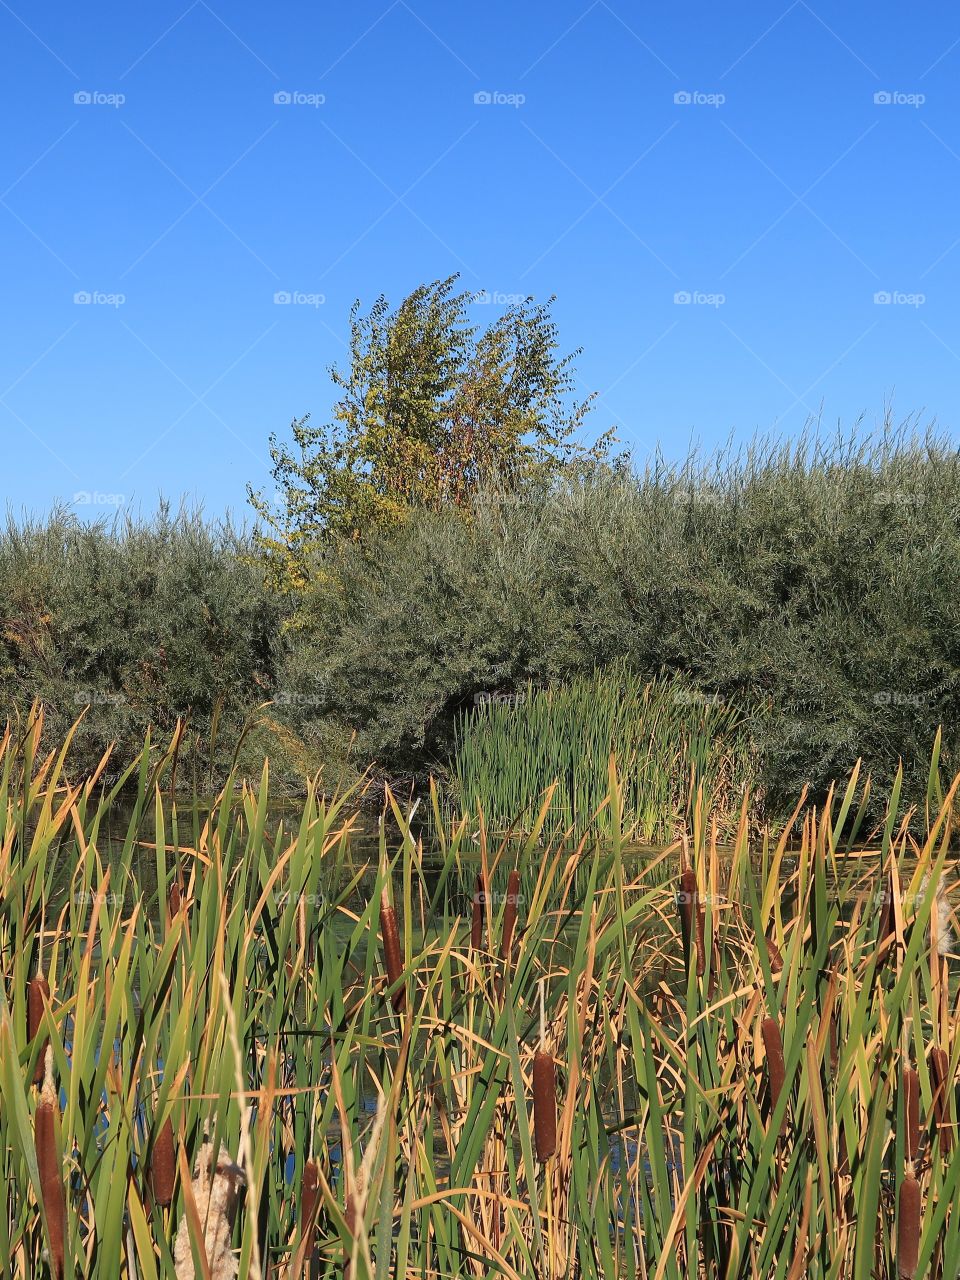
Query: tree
[{"x": 431, "y": 407}]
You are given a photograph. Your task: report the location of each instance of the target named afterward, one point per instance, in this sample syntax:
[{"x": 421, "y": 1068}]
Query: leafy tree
[{"x": 431, "y": 408}]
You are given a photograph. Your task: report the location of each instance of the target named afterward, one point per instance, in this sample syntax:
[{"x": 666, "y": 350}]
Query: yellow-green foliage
[{"x": 431, "y": 407}]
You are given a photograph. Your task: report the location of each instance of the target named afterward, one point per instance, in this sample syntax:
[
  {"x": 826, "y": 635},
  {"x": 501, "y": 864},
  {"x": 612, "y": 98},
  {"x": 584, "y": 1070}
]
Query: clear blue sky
[{"x": 794, "y": 196}]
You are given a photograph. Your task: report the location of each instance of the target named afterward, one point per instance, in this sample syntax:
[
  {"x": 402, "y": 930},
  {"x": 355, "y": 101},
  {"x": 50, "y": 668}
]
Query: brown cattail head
[
  {"x": 940, "y": 1065},
  {"x": 774, "y": 956},
  {"x": 309, "y": 1203},
  {"x": 691, "y": 918},
  {"x": 38, "y": 993},
  {"x": 544, "y": 1105},
  {"x": 162, "y": 1166},
  {"x": 908, "y": 1227},
  {"x": 476, "y": 923},
  {"x": 390, "y": 937},
  {"x": 50, "y": 1167},
  {"x": 911, "y": 1112},
  {"x": 175, "y": 899},
  {"x": 510, "y": 915},
  {"x": 776, "y": 1071}
]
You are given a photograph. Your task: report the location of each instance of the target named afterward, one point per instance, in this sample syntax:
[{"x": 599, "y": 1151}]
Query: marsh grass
[
  {"x": 670, "y": 741},
  {"x": 378, "y": 1141}
]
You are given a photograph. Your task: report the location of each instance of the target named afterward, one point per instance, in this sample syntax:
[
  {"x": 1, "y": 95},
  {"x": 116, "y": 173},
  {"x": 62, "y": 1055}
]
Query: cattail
[
  {"x": 175, "y": 899},
  {"x": 38, "y": 993},
  {"x": 544, "y": 1105},
  {"x": 476, "y": 924},
  {"x": 908, "y": 1227},
  {"x": 390, "y": 937},
  {"x": 691, "y": 917},
  {"x": 217, "y": 1188},
  {"x": 941, "y": 1065},
  {"x": 774, "y": 956},
  {"x": 162, "y": 1166},
  {"x": 50, "y": 1167},
  {"x": 544, "y": 1093},
  {"x": 309, "y": 1203},
  {"x": 911, "y": 1111},
  {"x": 773, "y": 1047},
  {"x": 510, "y": 915}
]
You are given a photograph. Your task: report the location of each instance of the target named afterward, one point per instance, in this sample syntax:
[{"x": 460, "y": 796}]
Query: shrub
[
  {"x": 816, "y": 580},
  {"x": 144, "y": 621}
]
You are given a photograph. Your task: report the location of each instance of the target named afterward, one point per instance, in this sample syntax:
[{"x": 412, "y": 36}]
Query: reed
[
  {"x": 38, "y": 995},
  {"x": 908, "y": 1227},
  {"x": 510, "y": 909},
  {"x": 544, "y": 1104},
  {"x": 776, "y": 1069},
  {"x": 50, "y": 1168},
  {"x": 478, "y": 913},
  {"x": 943, "y": 1088},
  {"x": 163, "y": 1166},
  {"x": 911, "y": 1112},
  {"x": 392, "y": 962},
  {"x": 669, "y": 739},
  {"x": 544, "y": 1092},
  {"x": 606, "y": 1117}
]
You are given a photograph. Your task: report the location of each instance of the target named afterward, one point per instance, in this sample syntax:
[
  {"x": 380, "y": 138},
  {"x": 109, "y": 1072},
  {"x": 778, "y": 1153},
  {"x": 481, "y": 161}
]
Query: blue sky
[{"x": 181, "y": 164}]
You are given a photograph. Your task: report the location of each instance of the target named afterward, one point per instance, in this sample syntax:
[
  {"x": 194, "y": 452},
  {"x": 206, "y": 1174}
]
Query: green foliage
[
  {"x": 144, "y": 622},
  {"x": 815, "y": 580},
  {"x": 431, "y": 407},
  {"x": 668, "y": 739}
]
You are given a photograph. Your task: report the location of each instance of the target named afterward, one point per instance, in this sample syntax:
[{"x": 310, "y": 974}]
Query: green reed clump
[{"x": 669, "y": 739}]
